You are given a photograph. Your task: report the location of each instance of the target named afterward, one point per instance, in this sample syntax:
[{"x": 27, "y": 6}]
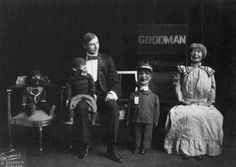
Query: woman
[{"x": 194, "y": 127}]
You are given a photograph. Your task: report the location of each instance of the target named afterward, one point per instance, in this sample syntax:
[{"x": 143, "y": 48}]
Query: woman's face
[{"x": 196, "y": 56}]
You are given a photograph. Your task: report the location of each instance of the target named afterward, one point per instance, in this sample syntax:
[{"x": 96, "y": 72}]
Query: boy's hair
[{"x": 77, "y": 61}]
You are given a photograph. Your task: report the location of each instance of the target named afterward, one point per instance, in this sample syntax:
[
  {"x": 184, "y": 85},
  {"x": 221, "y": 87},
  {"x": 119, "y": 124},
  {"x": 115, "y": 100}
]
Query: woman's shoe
[
  {"x": 185, "y": 157},
  {"x": 199, "y": 157}
]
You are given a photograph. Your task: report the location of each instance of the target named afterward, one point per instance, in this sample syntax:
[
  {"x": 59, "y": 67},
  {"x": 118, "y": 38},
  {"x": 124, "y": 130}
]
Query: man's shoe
[
  {"x": 114, "y": 155},
  {"x": 143, "y": 151},
  {"x": 84, "y": 153}
]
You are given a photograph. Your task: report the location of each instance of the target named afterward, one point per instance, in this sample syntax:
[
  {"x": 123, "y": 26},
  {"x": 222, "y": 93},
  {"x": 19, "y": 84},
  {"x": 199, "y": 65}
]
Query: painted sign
[{"x": 162, "y": 39}]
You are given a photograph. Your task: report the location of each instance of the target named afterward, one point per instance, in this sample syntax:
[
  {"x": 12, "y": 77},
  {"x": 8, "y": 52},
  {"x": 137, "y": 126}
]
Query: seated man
[{"x": 107, "y": 89}]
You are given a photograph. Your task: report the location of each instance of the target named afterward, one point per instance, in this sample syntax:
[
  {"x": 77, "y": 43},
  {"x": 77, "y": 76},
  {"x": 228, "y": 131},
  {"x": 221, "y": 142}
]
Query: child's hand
[
  {"x": 155, "y": 124},
  {"x": 95, "y": 97},
  {"x": 67, "y": 103},
  {"x": 127, "y": 123}
]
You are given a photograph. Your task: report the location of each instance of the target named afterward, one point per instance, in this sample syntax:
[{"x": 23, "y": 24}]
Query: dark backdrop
[{"x": 46, "y": 34}]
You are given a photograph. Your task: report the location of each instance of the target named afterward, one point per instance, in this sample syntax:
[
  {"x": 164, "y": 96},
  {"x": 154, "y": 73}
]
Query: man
[{"x": 107, "y": 84}]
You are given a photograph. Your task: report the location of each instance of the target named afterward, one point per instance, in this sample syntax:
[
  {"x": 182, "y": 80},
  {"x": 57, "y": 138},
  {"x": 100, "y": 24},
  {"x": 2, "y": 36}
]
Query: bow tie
[{"x": 92, "y": 57}]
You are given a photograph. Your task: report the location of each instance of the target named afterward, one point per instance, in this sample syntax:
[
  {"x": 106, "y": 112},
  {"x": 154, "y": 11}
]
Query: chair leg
[
  {"x": 10, "y": 136},
  {"x": 70, "y": 136},
  {"x": 40, "y": 139}
]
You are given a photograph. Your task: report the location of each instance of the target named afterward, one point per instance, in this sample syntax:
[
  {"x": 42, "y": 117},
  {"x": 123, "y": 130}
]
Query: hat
[
  {"x": 88, "y": 37},
  {"x": 35, "y": 72},
  {"x": 199, "y": 46},
  {"x": 77, "y": 61},
  {"x": 145, "y": 66}
]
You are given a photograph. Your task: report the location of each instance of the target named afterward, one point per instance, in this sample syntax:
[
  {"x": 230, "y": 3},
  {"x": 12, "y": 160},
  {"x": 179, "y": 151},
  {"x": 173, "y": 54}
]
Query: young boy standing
[{"x": 143, "y": 111}]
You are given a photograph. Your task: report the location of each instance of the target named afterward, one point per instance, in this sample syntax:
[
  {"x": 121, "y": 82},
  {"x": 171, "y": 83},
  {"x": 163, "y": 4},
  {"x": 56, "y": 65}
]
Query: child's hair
[{"x": 77, "y": 61}]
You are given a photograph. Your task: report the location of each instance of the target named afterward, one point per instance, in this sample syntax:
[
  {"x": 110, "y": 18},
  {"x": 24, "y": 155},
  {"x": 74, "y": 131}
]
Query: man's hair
[{"x": 88, "y": 37}]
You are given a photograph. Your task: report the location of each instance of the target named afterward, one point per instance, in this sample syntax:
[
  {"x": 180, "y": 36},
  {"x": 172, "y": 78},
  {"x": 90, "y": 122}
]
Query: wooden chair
[
  {"x": 38, "y": 120},
  {"x": 128, "y": 84}
]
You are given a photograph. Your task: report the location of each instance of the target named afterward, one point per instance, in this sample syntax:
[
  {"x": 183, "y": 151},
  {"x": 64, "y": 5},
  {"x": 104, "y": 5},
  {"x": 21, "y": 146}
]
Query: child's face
[
  {"x": 144, "y": 76},
  {"x": 36, "y": 78},
  {"x": 82, "y": 69}
]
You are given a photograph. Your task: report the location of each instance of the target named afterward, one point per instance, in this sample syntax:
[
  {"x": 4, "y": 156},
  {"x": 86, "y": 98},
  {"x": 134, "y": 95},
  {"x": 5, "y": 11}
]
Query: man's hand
[{"x": 95, "y": 97}]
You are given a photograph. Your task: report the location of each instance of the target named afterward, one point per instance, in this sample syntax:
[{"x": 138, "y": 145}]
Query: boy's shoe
[
  {"x": 135, "y": 150},
  {"x": 143, "y": 150},
  {"x": 85, "y": 151}
]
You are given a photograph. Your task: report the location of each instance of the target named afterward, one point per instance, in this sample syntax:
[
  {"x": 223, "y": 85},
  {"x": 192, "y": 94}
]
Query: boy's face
[
  {"x": 82, "y": 69},
  {"x": 144, "y": 76},
  {"x": 36, "y": 78}
]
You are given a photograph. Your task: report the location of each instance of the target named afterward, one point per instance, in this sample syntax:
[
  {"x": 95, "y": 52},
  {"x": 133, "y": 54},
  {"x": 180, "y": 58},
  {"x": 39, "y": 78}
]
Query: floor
[{"x": 57, "y": 154}]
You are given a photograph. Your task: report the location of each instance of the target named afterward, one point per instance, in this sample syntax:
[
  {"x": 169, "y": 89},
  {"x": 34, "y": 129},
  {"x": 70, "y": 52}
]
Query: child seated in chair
[
  {"x": 80, "y": 86},
  {"x": 34, "y": 95},
  {"x": 143, "y": 111}
]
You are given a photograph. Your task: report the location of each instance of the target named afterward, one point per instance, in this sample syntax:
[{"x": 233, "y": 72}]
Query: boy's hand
[
  {"x": 67, "y": 102},
  {"x": 127, "y": 123},
  {"x": 155, "y": 124},
  {"x": 95, "y": 97}
]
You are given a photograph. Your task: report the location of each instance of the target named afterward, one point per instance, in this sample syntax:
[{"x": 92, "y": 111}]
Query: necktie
[{"x": 92, "y": 57}]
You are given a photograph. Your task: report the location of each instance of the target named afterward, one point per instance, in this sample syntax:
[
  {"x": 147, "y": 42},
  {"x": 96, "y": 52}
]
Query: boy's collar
[{"x": 144, "y": 88}]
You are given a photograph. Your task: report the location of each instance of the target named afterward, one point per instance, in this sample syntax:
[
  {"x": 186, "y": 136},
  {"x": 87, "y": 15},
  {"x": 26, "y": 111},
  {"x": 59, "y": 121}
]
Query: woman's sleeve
[
  {"x": 177, "y": 85},
  {"x": 212, "y": 94}
]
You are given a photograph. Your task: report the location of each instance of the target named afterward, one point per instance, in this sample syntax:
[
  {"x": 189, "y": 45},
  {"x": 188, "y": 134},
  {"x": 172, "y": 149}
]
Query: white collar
[{"x": 145, "y": 88}]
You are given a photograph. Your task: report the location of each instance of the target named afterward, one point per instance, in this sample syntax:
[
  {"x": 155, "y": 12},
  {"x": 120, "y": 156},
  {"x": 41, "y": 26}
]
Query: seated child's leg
[
  {"x": 30, "y": 109},
  {"x": 93, "y": 118},
  {"x": 47, "y": 108}
]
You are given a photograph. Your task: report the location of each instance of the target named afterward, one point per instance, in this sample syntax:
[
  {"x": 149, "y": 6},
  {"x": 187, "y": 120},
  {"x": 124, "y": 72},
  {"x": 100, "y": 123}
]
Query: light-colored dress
[{"x": 194, "y": 129}]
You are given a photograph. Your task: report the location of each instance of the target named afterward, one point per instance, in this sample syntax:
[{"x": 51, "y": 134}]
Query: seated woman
[{"x": 194, "y": 127}]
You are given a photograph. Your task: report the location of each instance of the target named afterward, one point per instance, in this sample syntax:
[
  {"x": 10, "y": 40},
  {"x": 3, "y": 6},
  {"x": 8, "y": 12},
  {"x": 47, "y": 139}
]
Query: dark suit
[{"x": 109, "y": 111}]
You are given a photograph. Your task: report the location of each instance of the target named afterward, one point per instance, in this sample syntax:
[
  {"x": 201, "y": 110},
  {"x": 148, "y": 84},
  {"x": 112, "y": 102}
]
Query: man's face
[
  {"x": 93, "y": 46},
  {"x": 144, "y": 76},
  {"x": 196, "y": 56}
]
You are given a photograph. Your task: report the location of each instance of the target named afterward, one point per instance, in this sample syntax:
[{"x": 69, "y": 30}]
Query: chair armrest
[{"x": 9, "y": 90}]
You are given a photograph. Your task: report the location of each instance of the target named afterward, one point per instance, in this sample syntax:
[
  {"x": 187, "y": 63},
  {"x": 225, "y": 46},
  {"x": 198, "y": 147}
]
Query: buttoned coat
[{"x": 108, "y": 78}]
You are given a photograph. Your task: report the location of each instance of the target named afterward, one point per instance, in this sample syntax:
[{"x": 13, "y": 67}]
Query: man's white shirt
[{"x": 92, "y": 67}]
